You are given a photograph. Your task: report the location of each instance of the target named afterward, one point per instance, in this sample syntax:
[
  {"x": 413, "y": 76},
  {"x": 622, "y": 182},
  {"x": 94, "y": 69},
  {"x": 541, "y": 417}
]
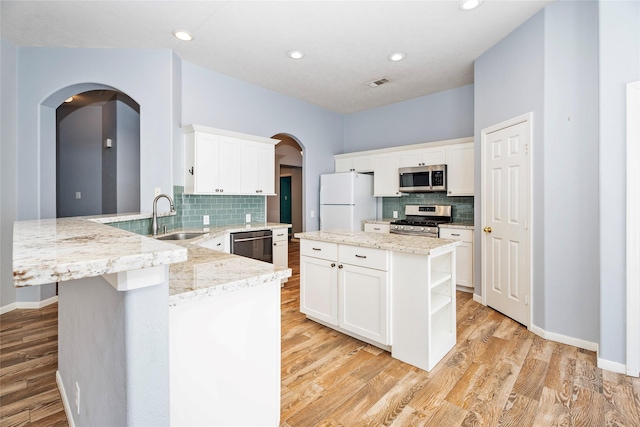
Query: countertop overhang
[{"x": 419, "y": 245}]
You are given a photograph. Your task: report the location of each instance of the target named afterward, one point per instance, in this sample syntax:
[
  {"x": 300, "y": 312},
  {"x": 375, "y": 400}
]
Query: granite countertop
[
  {"x": 457, "y": 225},
  {"x": 56, "y": 250},
  {"x": 394, "y": 242}
]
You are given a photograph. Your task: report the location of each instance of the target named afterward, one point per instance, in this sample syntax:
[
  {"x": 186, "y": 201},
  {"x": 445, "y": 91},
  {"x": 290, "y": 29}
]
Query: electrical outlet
[
  {"x": 157, "y": 191},
  {"x": 205, "y": 219},
  {"x": 312, "y": 214},
  {"x": 78, "y": 195},
  {"x": 395, "y": 214},
  {"x": 77, "y": 398},
  {"x": 247, "y": 218}
]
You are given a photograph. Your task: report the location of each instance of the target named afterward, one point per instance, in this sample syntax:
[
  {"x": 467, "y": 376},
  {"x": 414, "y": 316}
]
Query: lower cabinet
[
  {"x": 340, "y": 287},
  {"x": 280, "y": 238},
  {"x": 464, "y": 254}
]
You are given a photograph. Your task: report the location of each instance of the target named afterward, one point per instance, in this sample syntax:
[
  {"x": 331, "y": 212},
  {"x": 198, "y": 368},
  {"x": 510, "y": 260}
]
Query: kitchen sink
[{"x": 180, "y": 236}]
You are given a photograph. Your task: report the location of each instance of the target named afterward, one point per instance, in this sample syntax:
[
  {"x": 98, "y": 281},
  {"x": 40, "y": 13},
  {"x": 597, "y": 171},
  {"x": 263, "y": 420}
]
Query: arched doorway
[
  {"x": 287, "y": 206},
  {"x": 97, "y": 154}
]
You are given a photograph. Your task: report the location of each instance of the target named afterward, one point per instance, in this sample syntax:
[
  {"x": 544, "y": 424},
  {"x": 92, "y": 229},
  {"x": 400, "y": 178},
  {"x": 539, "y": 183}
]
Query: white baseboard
[
  {"x": 477, "y": 298},
  {"x": 564, "y": 339},
  {"x": 65, "y": 402},
  {"x": 29, "y": 305},
  {"x": 616, "y": 367},
  {"x": 7, "y": 308}
]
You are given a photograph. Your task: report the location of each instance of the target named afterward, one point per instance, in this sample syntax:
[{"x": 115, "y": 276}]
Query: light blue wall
[
  {"x": 215, "y": 100},
  {"x": 442, "y": 115},
  {"x": 570, "y": 169},
  {"x": 619, "y": 36},
  {"x": 509, "y": 81},
  {"x": 8, "y": 134}
]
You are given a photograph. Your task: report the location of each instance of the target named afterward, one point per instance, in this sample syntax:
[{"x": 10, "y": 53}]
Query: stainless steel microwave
[{"x": 423, "y": 179}]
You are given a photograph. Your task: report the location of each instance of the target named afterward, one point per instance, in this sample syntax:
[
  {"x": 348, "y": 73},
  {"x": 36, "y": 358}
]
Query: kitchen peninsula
[
  {"x": 394, "y": 291},
  {"x": 131, "y": 310}
]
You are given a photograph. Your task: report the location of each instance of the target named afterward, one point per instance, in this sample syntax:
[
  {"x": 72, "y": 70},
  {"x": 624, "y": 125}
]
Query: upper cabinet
[
  {"x": 221, "y": 162},
  {"x": 422, "y": 157},
  {"x": 346, "y": 163},
  {"x": 457, "y": 154},
  {"x": 460, "y": 176}
]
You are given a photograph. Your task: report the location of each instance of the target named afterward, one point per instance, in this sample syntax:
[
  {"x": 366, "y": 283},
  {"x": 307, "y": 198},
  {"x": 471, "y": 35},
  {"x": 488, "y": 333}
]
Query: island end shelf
[{"x": 394, "y": 291}]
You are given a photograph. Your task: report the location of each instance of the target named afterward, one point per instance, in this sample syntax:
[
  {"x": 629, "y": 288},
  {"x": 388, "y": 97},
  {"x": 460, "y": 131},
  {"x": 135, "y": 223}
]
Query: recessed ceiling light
[
  {"x": 395, "y": 57},
  {"x": 69, "y": 99},
  {"x": 183, "y": 35},
  {"x": 469, "y": 4},
  {"x": 295, "y": 54}
]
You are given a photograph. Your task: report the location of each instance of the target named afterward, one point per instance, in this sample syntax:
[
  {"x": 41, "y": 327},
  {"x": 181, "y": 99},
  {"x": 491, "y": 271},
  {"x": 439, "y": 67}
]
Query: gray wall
[
  {"x": 215, "y": 100},
  {"x": 100, "y": 331},
  {"x": 619, "y": 35},
  {"x": 109, "y": 129},
  {"x": 79, "y": 160},
  {"x": 8, "y": 134},
  {"x": 443, "y": 115},
  {"x": 509, "y": 81},
  {"x": 128, "y": 156}
]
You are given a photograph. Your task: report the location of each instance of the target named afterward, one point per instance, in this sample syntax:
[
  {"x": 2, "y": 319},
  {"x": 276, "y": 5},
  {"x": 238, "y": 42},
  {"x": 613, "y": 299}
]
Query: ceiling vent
[{"x": 378, "y": 82}]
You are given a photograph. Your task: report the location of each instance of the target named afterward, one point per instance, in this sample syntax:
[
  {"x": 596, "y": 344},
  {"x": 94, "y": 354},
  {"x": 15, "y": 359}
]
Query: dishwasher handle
[{"x": 248, "y": 239}]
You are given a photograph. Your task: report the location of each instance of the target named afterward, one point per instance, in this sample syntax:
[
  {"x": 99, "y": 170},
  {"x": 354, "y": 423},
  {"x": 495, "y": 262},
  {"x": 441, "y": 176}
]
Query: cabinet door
[
  {"x": 258, "y": 169},
  {"x": 363, "y": 302},
  {"x": 205, "y": 171},
  {"x": 464, "y": 264},
  {"x": 386, "y": 179},
  {"x": 228, "y": 165},
  {"x": 344, "y": 164},
  {"x": 280, "y": 255},
  {"x": 319, "y": 289},
  {"x": 460, "y": 165},
  {"x": 422, "y": 157},
  {"x": 363, "y": 163}
]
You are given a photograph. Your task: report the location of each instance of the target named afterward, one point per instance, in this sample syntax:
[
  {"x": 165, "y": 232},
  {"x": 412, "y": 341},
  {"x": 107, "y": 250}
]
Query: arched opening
[
  {"x": 287, "y": 206},
  {"x": 97, "y": 154}
]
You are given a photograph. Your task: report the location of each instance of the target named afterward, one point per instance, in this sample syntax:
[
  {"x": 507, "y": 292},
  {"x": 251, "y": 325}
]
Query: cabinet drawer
[
  {"x": 280, "y": 234},
  {"x": 456, "y": 234},
  {"x": 324, "y": 250},
  {"x": 376, "y": 228},
  {"x": 364, "y": 257}
]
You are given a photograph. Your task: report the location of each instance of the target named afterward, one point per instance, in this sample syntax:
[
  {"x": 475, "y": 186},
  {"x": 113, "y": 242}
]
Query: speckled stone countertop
[
  {"x": 56, "y": 250},
  {"x": 208, "y": 272},
  {"x": 458, "y": 225},
  {"x": 393, "y": 242}
]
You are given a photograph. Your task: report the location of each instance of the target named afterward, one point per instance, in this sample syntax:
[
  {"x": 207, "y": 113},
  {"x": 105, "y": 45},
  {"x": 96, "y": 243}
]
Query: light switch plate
[{"x": 156, "y": 191}]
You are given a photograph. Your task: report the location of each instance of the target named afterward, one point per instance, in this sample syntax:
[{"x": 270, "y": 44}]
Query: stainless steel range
[{"x": 422, "y": 220}]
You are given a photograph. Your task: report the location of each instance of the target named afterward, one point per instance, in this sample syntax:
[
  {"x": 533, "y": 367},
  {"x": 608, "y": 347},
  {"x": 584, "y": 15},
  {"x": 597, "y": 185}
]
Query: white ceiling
[{"x": 347, "y": 43}]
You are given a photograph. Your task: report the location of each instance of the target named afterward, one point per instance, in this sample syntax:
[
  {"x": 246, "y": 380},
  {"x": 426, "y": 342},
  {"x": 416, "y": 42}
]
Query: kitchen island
[
  {"x": 121, "y": 329},
  {"x": 396, "y": 292}
]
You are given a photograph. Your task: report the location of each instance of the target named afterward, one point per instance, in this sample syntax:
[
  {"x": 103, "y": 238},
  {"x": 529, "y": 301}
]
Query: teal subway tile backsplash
[
  {"x": 222, "y": 210},
  {"x": 461, "y": 207}
]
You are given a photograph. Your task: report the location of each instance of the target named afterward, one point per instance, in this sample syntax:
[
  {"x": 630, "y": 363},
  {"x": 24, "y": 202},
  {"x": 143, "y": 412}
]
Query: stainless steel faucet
[{"x": 154, "y": 223}]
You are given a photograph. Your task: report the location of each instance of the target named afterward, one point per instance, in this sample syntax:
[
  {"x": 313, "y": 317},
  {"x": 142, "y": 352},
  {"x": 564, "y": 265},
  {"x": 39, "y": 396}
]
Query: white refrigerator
[{"x": 346, "y": 200}]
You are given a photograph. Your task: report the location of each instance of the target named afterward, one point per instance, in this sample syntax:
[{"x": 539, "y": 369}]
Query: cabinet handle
[
  {"x": 376, "y": 228},
  {"x": 217, "y": 190},
  {"x": 221, "y": 190},
  {"x": 316, "y": 249},
  {"x": 455, "y": 234},
  {"x": 360, "y": 256},
  {"x": 191, "y": 170},
  {"x": 340, "y": 266},
  {"x": 333, "y": 264}
]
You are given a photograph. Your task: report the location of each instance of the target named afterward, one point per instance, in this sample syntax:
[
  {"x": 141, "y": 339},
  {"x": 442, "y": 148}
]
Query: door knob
[{"x": 487, "y": 229}]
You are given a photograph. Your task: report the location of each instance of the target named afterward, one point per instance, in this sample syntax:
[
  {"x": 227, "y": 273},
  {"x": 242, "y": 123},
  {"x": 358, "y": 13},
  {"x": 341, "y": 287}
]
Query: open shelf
[
  {"x": 439, "y": 277},
  {"x": 438, "y": 301}
]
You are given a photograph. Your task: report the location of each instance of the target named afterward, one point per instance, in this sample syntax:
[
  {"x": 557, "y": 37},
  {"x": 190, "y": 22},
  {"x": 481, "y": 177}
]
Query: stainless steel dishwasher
[{"x": 253, "y": 244}]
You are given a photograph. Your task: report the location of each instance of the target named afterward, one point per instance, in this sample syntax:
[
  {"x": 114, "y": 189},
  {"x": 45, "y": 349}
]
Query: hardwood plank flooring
[{"x": 498, "y": 374}]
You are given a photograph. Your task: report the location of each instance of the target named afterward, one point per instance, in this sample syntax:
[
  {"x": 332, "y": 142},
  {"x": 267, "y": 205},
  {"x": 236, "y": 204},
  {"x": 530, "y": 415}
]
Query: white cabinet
[
  {"x": 422, "y": 157},
  {"x": 376, "y": 228},
  {"x": 386, "y": 179},
  {"x": 346, "y": 287},
  {"x": 464, "y": 254},
  {"x": 460, "y": 167},
  {"x": 280, "y": 238},
  {"x": 211, "y": 162},
  {"x": 219, "y": 243},
  {"x": 362, "y": 164},
  {"x": 258, "y": 168},
  {"x": 222, "y": 162}
]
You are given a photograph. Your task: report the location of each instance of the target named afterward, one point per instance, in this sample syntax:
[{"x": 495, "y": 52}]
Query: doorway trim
[
  {"x": 528, "y": 119},
  {"x": 633, "y": 229}
]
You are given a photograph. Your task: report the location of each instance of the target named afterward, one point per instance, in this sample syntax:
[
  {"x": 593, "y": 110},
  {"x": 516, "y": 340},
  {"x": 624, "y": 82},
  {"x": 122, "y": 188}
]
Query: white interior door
[{"x": 505, "y": 219}]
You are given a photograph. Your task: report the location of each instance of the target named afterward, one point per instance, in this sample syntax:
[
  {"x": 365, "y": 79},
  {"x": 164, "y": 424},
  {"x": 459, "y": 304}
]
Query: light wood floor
[{"x": 499, "y": 374}]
